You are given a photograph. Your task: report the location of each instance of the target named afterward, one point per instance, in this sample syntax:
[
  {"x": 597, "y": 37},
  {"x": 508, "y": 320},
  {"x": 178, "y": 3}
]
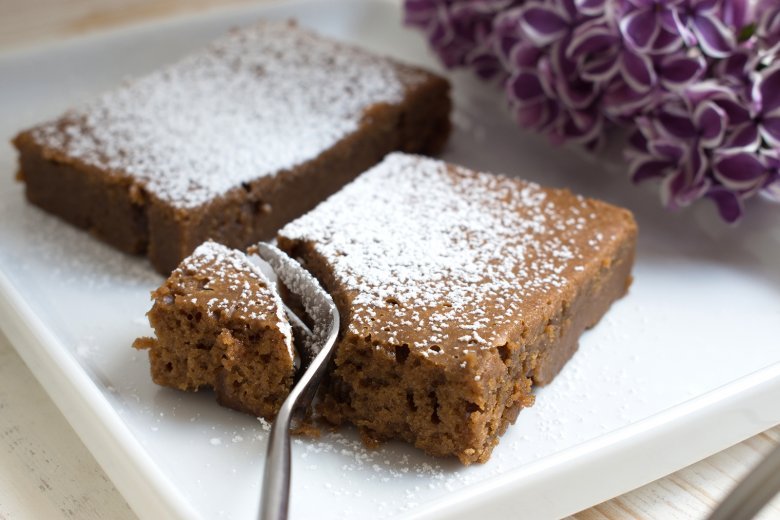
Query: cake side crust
[{"x": 108, "y": 207}]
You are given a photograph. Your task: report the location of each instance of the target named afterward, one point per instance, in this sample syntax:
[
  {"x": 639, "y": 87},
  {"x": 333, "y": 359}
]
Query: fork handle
[
  {"x": 275, "y": 497},
  {"x": 754, "y": 492}
]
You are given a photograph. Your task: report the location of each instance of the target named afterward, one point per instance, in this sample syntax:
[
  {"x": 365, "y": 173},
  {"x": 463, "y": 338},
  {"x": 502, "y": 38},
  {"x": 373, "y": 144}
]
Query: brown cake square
[
  {"x": 229, "y": 143},
  {"x": 459, "y": 291},
  {"x": 220, "y": 324}
]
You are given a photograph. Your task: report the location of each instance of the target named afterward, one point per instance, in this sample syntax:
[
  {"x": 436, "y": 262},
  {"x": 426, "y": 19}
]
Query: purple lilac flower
[
  {"x": 559, "y": 103},
  {"x": 696, "y": 82},
  {"x": 768, "y": 24},
  {"x": 460, "y": 32},
  {"x": 702, "y": 24},
  {"x": 766, "y": 105}
]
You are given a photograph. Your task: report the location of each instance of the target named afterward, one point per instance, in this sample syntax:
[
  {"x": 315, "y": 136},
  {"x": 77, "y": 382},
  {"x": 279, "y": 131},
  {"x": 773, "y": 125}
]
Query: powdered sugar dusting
[
  {"x": 260, "y": 100},
  {"x": 255, "y": 300},
  {"x": 436, "y": 257}
]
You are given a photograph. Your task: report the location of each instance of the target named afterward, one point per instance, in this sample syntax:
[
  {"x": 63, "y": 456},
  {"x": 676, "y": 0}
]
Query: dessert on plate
[
  {"x": 219, "y": 323},
  {"x": 459, "y": 291},
  {"x": 229, "y": 143}
]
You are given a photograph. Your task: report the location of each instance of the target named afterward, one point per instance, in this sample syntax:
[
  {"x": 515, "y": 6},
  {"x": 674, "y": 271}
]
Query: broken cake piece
[
  {"x": 230, "y": 142},
  {"x": 458, "y": 291},
  {"x": 219, "y": 323}
]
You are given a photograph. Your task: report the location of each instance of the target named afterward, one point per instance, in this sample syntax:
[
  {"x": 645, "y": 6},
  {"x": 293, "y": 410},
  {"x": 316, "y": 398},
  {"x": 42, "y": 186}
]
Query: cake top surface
[
  {"x": 259, "y": 100},
  {"x": 438, "y": 257},
  {"x": 230, "y": 286}
]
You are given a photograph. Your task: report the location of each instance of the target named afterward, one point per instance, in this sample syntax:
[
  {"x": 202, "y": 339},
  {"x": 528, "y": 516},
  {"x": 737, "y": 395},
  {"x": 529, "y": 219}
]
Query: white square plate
[{"x": 685, "y": 365}]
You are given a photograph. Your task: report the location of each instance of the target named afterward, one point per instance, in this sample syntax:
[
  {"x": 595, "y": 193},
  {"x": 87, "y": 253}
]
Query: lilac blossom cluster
[{"x": 696, "y": 82}]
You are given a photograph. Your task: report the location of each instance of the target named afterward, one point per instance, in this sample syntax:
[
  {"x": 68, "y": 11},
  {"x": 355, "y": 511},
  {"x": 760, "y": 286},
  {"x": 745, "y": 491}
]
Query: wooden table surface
[{"x": 46, "y": 472}]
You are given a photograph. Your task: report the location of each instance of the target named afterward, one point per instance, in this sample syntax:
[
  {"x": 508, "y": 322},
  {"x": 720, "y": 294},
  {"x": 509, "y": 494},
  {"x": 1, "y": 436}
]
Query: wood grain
[
  {"x": 24, "y": 22},
  {"x": 45, "y": 470}
]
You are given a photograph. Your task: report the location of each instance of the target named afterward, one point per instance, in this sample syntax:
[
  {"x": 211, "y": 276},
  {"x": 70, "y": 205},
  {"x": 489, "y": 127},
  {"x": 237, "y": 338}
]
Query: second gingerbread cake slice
[
  {"x": 458, "y": 292},
  {"x": 229, "y": 143}
]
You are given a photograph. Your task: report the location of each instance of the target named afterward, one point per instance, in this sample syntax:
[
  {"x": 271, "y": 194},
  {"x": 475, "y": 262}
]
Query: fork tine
[
  {"x": 316, "y": 302},
  {"x": 275, "y": 497}
]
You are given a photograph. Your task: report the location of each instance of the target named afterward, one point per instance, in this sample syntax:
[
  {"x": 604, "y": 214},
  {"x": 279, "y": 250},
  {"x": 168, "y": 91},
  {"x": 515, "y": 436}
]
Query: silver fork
[
  {"x": 318, "y": 346},
  {"x": 755, "y": 491}
]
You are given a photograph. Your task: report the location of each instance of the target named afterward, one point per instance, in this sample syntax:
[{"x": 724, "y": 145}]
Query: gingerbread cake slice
[
  {"x": 459, "y": 291},
  {"x": 229, "y": 143},
  {"x": 219, "y": 323}
]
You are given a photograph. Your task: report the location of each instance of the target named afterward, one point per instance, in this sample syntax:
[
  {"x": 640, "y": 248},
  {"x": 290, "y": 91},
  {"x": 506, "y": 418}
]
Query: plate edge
[{"x": 94, "y": 420}]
